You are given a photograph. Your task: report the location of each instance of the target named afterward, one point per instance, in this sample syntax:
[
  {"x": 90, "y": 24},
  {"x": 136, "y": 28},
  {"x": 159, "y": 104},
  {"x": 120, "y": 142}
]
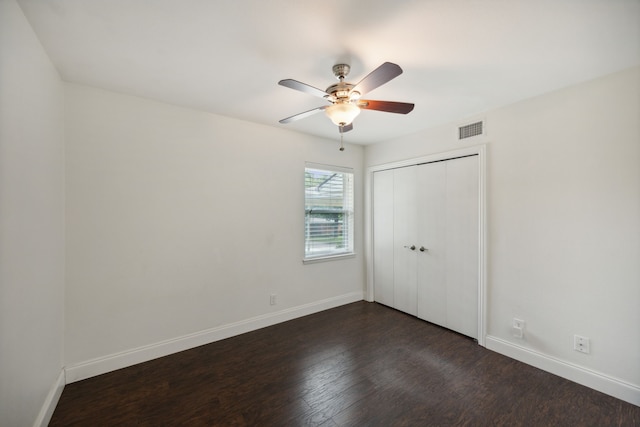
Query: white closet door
[
  {"x": 431, "y": 231},
  {"x": 383, "y": 244},
  {"x": 404, "y": 232},
  {"x": 462, "y": 236},
  {"x": 432, "y": 206}
]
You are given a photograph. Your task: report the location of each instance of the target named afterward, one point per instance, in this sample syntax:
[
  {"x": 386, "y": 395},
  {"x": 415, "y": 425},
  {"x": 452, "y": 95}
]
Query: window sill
[{"x": 328, "y": 258}]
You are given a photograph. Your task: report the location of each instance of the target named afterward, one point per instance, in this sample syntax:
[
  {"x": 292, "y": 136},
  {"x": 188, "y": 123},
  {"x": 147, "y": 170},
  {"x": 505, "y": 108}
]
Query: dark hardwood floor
[{"x": 362, "y": 364}]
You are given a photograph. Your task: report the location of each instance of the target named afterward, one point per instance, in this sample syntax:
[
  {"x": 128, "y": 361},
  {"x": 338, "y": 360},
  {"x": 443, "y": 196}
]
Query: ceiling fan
[{"x": 344, "y": 98}]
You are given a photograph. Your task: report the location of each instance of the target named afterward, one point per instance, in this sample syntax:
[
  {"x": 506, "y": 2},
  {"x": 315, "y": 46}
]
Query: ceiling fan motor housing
[{"x": 340, "y": 92}]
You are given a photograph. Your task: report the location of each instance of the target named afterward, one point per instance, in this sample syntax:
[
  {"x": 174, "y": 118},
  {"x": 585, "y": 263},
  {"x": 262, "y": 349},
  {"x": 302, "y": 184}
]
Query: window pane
[{"x": 328, "y": 212}]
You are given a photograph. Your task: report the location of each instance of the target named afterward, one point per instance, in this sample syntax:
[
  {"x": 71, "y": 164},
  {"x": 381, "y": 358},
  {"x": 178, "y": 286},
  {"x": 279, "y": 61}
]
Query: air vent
[{"x": 471, "y": 130}]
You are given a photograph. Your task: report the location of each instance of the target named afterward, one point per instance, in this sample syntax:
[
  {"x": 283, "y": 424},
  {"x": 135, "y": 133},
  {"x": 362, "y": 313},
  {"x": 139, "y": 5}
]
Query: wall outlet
[
  {"x": 272, "y": 299},
  {"x": 581, "y": 344},
  {"x": 518, "y": 328}
]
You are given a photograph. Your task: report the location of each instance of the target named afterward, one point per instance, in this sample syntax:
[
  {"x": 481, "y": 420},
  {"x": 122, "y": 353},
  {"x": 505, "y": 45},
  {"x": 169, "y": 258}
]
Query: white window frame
[{"x": 348, "y": 210}]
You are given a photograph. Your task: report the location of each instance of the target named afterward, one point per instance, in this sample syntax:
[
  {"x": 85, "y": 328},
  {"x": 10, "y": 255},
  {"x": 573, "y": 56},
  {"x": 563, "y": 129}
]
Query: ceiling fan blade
[
  {"x": 303, "y": 87},
  {"x": 346, "y": 128},
  {"x": 387, "y": 106},
  {"x": 381, "y": 75},
  {"x": 303, "y": 115}
]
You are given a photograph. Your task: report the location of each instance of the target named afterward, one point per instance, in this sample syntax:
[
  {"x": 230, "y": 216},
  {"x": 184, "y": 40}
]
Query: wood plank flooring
[{"x": 362, "y": 364}]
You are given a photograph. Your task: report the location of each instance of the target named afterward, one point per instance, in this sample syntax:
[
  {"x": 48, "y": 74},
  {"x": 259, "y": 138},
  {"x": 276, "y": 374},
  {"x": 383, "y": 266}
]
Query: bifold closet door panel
[
  {"x": 431, "y": 230},
  {"x": 405, "y": 237},
  {"x": 383, "y": 245},
  {"x": 462, "y": 245}
]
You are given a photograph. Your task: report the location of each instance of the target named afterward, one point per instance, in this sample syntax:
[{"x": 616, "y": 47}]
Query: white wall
[
  {"x": 179, "y": 221},
  {"x": 32, "y": 259},
  {"x": 563, "y": 227}
]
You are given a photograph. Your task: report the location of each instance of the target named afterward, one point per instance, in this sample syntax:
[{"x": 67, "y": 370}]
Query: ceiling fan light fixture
[{"x": 342, "y": 114}]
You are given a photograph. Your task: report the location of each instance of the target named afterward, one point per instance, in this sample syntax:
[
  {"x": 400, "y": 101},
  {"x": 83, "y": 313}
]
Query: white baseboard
[
  {"x": 49, "y": 405},
  {"x": 102, "y": 365},
  {"x": 589, "y": 378}
]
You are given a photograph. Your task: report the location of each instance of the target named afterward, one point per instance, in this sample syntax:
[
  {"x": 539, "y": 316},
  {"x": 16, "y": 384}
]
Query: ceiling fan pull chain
[{"x": 341, "y": 136}]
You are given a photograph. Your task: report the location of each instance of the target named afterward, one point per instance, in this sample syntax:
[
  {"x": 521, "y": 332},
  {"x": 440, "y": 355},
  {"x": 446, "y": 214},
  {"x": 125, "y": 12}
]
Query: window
[{"x": 328, "y": 219}]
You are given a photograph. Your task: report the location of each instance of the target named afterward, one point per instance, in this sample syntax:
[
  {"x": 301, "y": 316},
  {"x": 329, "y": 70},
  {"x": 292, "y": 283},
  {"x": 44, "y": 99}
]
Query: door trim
[{"x": 480, "y": 151}]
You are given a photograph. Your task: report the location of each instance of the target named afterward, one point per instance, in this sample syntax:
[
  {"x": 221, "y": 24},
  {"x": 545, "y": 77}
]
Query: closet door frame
[{"x": 480, "y": 151}]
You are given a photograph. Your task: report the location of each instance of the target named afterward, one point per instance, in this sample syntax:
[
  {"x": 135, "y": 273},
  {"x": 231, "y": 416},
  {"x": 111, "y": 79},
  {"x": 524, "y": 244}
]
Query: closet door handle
[
  {"x": 422, "y": 249},
  {"x": 412, "y": 247}
]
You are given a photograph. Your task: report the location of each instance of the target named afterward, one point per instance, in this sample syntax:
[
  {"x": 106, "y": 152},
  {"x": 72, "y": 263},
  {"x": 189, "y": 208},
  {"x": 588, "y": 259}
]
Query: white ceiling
[{"x": 460, "y": 57}]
